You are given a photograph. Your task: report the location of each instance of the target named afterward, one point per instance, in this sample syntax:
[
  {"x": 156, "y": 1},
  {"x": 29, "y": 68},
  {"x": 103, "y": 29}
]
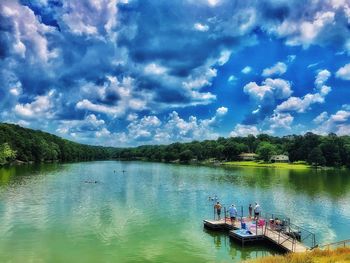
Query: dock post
[{"x": 225, "y": 213}]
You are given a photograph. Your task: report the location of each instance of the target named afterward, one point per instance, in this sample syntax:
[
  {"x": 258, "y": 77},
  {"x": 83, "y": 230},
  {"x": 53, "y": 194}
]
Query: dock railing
[
  {"x": 334, "y": 245},
  {"x": 285, "y": 232}
]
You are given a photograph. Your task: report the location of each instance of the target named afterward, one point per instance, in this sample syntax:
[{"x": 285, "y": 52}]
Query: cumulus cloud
[
  {"x": 28, "y": 36},
  {"x": 201, "y": 27},
  {"x": 244, "y": 130},
  {"x": 88, "y": 50},
  {"x": 150, "y": 129},
  {"x": 246, "y": 70},
  {"x": 115, "y": 97},
  {"x": 231, "y": 79},
  {"x": 278, "y": 69},
  {"x": 281, "y": 121},
  {"x": 343, "y": 72},
  {"x": 338, "y": 123},
  {"x": 40, "y": 107},
  {"x": 321, "y": 117},
  {"x": 270, "y": 88},
  {"x": 302, "y": 104}
]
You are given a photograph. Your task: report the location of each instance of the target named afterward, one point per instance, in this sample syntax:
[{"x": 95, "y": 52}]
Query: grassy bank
[
  {"x": 269, "y": 165},
  {"x": 316, "y": 256}
]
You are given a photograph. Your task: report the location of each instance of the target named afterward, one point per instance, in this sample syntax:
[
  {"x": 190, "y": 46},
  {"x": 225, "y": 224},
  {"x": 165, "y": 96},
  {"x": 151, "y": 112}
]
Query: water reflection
[
  {"x": 333, "y": 182},
  {"x": 154, "y": 209}
]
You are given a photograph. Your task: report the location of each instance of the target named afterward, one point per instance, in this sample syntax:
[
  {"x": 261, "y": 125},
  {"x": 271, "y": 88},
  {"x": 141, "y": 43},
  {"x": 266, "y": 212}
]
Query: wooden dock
[
  {"x": 253, "y": 233},
  {"x": 221, "y": 225}
]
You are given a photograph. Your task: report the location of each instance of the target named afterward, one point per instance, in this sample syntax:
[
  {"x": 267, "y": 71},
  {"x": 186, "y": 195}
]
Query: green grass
[
  {"x": 269, "y": 165},
  {"x": 339, "y": 255}
]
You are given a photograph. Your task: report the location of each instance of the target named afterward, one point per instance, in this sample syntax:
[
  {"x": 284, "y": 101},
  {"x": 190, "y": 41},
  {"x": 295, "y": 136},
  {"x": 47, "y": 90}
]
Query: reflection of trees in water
[
  {"x": 334, "y": 182},
  {"x": 19, "y": 173},
  {"x": 217, "y": 241}
]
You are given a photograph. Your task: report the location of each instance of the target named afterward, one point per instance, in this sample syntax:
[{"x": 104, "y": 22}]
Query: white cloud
[
  {"x": 155, "y": 69},
  {"x": 224, "y": 57},
  {"x": 321, "y": 117},
  {"x": 16, "y": 89},
  {"x": 40, "y": 107},
  {"x": 322, "y": 77},
  {"x": 29, "y": 36},
  {"x": 113, "y": 98},
  {"x": 302, "y": 104},
  {"x": 150, "y": 129},
  {"x": 200, "y": 80},
  {"x": 201, "y": 27},
  {"x": 246, "y": 70},
  {"x": 302, "y": 31},
  {"x": 94, "y": 19},
  {"x": 281, "y": 121},
  {"x": 213, "y": 2},
  {"x": 221, "y": 111},
  {"x": 291, "y": 58},
  {"x": 338, "y": 123},
  {"x": 231, "y": 79},
  {"x": 278, "y": 69},
  {"x": 343, "y": 72},
  {"x": 270, "y": 88},
  {"x": 244, "y": 130}
]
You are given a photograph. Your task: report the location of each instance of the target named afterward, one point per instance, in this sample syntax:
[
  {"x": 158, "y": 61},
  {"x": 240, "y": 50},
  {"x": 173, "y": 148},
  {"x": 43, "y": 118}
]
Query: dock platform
[
  {"x": 289, "y": 239},
  {"x": 221, "y": 225}
]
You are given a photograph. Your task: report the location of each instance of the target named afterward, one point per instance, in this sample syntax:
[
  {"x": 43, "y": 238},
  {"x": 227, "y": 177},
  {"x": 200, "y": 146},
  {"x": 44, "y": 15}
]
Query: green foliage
[
  {"x": 265, "y": 150},
  {"x": 37, "y": 146},
  {"x": 186, "y": 156},
  {"x": 316, "y": 157},
  {"x": 7, "y": 155}
]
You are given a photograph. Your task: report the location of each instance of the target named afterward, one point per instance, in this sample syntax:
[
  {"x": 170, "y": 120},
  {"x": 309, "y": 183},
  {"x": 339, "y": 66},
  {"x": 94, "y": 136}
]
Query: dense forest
[
  {"x": 330, "y": 150},
  {"x": 26, "y": 145}
]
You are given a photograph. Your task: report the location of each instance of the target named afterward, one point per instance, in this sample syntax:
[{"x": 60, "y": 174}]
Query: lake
[{"x": 153, "y": 212}]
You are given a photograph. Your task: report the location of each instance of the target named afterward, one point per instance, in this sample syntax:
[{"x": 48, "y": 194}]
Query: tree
[
  {"x": 6, "y": 154},
  {"x": 186, "y": 156},
  {"x": 265, "y": 150},
  {"x": 316, "y": 157}
]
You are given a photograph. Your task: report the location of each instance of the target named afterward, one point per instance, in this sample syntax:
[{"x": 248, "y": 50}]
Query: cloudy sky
[{"x": 128, "y": 72}]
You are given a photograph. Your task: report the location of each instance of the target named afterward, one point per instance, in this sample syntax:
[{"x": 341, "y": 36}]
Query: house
[
  {"x": 247, "y": 156},
  {"x": 280, "y": 158}
]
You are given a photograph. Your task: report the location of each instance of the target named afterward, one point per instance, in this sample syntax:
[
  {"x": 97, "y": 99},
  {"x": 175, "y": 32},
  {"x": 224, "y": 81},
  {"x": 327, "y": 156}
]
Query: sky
[{"x": 129, "y": 72}]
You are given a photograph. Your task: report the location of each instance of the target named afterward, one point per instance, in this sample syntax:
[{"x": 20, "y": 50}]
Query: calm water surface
[{"x": 153, "y": 212}]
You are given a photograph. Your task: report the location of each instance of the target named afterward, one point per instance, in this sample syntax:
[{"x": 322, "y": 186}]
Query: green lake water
[{"x": 153, "y": 212}]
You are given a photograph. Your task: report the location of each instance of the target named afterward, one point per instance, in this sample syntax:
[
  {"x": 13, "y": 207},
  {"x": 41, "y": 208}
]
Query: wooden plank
[{"x": 285, "y": 241}]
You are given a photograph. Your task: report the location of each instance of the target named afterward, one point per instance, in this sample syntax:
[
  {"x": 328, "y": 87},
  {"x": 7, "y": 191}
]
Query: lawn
[
  {"x": 316, "y": 256},
  {"x": 269, "y": 165}
]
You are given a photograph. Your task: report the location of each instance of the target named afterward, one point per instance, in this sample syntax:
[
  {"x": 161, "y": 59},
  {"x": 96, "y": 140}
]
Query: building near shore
[
  {"x": 280, "y": 158},
  {"x": 248, "y": 156}
]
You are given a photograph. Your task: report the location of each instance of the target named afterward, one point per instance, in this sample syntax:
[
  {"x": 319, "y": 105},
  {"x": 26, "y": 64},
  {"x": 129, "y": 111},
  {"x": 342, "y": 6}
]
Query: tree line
[
  {"x": 27, "y": 145},
  {"x": 329, "y": 150}
]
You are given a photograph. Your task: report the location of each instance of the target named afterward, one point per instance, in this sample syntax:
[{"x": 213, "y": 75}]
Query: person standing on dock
[
  {"x": 250, "y": 209},
  {"x": 233, "y": 213},
  {"x": 257, "y": 211},
  {"x": 217, "y": 206}
]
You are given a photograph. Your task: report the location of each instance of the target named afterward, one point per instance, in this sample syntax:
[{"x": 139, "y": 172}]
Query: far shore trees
[{"x": 36, "y": 146}]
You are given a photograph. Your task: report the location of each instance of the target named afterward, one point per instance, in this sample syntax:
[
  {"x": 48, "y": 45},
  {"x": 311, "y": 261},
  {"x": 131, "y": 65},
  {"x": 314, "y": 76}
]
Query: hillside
[{"x": 27, "y": 145}]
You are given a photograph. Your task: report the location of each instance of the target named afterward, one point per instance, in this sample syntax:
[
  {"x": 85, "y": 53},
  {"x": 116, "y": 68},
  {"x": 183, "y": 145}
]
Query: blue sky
[{"x": 128, "y": 72}]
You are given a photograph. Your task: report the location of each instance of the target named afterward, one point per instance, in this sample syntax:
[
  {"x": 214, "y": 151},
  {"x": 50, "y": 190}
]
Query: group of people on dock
[{"x": 232, "y": 210}]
